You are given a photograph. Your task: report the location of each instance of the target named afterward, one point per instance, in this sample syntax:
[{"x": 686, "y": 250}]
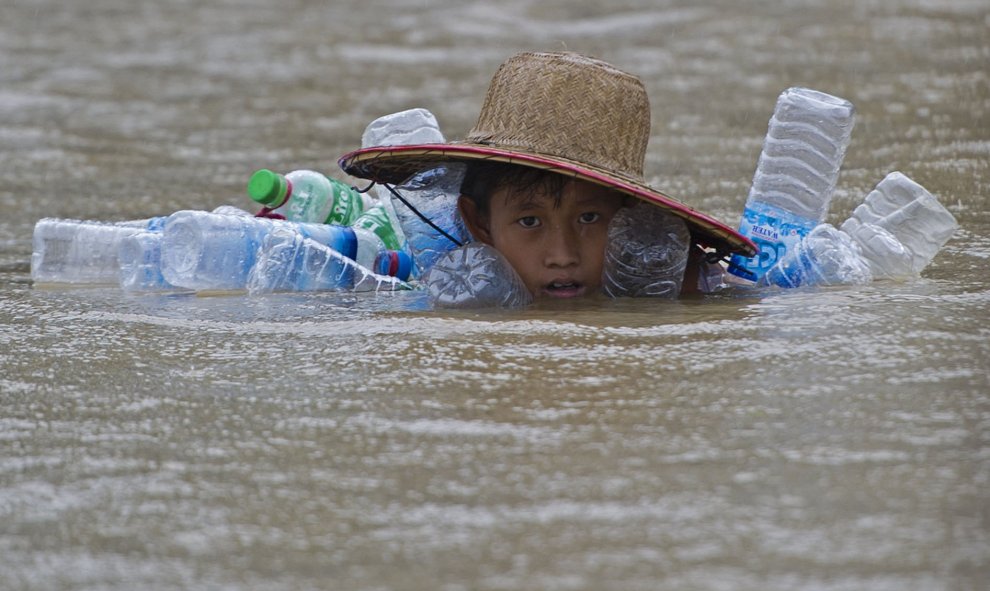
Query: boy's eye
[
  {"x": 589, "y": 217},
  {"x": 530, "y": 221}
]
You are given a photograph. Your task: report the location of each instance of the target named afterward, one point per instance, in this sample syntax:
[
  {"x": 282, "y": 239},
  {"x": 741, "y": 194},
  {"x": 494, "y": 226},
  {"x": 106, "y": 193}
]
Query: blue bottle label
[{"x": 774, "y": 231}]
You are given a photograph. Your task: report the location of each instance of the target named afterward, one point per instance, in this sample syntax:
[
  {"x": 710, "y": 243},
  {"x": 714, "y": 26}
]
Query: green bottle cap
[{"x": 267, "y": 187}]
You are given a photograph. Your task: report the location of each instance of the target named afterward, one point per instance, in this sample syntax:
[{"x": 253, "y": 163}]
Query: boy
[{"x": 558, "y": 149}]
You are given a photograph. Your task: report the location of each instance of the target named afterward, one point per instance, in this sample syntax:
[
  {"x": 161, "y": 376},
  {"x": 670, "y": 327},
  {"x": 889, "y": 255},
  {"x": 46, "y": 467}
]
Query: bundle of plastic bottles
[
  {"x": 317, "y": 233},
  {"x": 893, "y": 234},
  {"x": 312, "y": 233}
]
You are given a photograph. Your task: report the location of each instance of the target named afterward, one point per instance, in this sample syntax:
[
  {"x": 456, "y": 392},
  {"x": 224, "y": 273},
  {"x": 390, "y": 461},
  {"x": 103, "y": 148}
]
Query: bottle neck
[{"x": 285, "y": 197}]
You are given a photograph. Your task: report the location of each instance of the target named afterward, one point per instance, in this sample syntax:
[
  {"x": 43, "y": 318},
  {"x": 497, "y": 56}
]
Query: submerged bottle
[
  {"x": 646, "y": 253},
  {"x": 81, "y": 251},
  {"x": 900, "y": 227},
  {"x": 475, "y": 276},
  {"x": 432, "y": 192},
  {"x": 795, "y": 175},
  {"x": 306, "y": 196},
  {"x": 318, "y": 259}
]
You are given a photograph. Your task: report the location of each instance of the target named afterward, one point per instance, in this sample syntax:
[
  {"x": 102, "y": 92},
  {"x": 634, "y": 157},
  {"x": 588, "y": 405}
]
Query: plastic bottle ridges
[
  {"x": 911, "y": 214},
  {"x": 795, "y": 175},
  {"x": 826, "y": 256},
  {"x": 81, "y": 251},
  {"x": 475, "y": 276},
  {"x": 646, "y": 253},
  {"x": 293, "y": 260}
]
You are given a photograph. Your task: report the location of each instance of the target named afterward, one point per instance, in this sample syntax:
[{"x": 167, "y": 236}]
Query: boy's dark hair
[{"x": 483, "y": 179}]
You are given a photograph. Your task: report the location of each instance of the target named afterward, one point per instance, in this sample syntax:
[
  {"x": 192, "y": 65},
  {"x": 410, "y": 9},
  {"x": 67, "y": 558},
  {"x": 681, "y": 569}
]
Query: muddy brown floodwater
[{"x": 825, "y": 439}]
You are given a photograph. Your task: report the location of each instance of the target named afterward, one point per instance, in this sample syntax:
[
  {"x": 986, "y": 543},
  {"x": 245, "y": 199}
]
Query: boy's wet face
[{"x": 556, "y": 244}]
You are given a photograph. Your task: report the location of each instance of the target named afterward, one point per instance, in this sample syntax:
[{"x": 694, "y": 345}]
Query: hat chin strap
[{"x": 412, "y": 208}]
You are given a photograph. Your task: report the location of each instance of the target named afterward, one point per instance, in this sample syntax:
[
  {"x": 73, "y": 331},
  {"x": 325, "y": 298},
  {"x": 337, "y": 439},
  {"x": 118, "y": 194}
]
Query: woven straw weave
[{"x": 547, "y": 103}]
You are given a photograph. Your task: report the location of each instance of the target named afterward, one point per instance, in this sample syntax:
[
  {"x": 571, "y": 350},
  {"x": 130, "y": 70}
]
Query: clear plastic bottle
[
  {"x": 826, "y": 256},
  {"x": 900, "y": 227},
  {"x": 81, "y": 251},
  {"x": 433, "y": 192},
  {"x": 795, "y": 176},
  {"x": 140, "y": 256},
  {"x": 140, "y": 262},
  {"x": 404, "y": 128},
  {"x": 375, "y": 233},
  {"x": 294, "y": 260},
  {"x": 646, "y": 254},
  {"x": 475, "y": 276},
  {"x": 208, "y": 251},
  {"x": 306, "y": 196},
  {"x": 894, "y": 234}
]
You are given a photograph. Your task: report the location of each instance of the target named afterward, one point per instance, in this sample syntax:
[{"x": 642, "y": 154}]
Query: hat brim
[{"x": 395, "y": 164}]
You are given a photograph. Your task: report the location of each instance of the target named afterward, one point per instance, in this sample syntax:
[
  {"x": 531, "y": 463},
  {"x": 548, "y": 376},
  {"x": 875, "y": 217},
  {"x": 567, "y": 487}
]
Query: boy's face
[{"x": 557, "y": 246}]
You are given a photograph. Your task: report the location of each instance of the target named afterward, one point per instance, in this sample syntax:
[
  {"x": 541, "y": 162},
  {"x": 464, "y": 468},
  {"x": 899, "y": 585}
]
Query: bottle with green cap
[{"x": 306, "y": 196}]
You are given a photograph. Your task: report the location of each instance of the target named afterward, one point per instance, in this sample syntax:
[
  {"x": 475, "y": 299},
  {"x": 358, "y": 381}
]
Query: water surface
[{"x": 812, "y": 439}]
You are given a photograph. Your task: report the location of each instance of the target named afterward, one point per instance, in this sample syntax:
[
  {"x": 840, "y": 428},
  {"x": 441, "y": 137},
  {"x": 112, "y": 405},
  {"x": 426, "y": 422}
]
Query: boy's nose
[{"x": 561, "y": 248}]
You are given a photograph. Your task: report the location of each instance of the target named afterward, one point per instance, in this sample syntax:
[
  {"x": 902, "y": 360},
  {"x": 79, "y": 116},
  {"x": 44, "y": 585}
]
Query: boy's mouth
[{"x": 563, "y": 289}]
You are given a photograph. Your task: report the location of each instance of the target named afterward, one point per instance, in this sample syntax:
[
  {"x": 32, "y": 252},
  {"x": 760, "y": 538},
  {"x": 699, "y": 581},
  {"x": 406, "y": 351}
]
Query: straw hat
[{"x": 563, "y": 112}]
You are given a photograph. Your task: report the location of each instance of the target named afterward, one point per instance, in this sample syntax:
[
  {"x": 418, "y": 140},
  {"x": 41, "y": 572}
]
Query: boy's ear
[{"x": 476, "y": 221}]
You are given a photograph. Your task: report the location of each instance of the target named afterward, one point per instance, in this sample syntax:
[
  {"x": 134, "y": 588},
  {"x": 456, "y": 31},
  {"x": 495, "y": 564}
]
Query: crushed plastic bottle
[
  {"x": 894, "y": 234},
  {"x": 294, "y": 260},
  {"x": 404, "y": 128},
  {"x": 646, "y": 253},
  {"x": 914, "y": 220},
  {"x": 434, "y": 194},
  {"x": 826, "y": 256},
  {"x": 475, "y": 276},
  {"x": 795, "y": 176}
]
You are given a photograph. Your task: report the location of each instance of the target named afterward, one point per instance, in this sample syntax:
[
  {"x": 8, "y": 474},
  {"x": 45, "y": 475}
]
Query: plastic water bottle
[
  {"x": 140, "y": 256},
  {"x": 404, "y": 128},
  {"x": 646, "y": 254},
  {"x": 475, "y": 276},
  {"x": 231, "y": 210},
  {"x": 900, "y": 227},
  {"x": 375, "y": 233},
  {"x": 795, "y": 175},
  {"x": 826, "y": 256},
  {"x": 208, "y": 251},
  {"x": 80, "y": 251},
  {"x": 140, "y": 262},
  {"x": 294, "y": 260},
  {"x": 433, "y": 192},
  {"x": 306, "y": 196}
]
